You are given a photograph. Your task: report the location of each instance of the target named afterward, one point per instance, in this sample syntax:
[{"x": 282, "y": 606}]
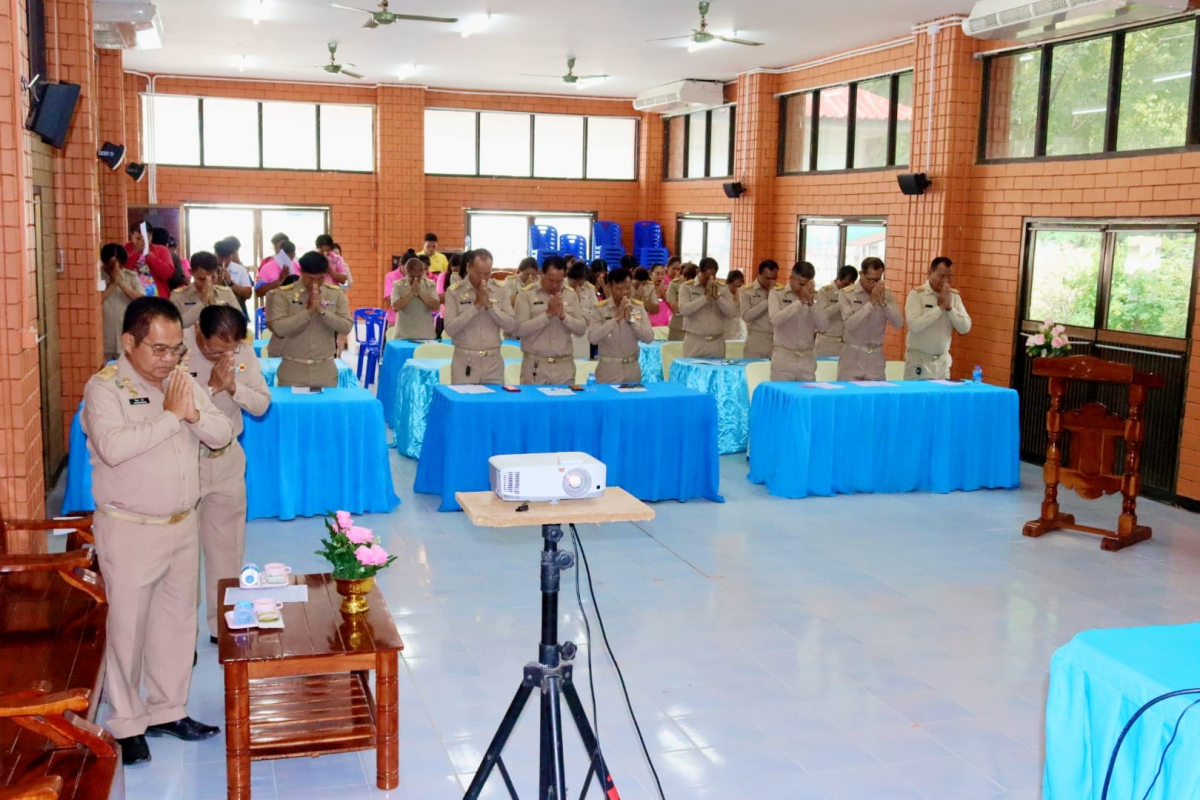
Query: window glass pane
[
  {"x": 797, "y": 136},
  {"x": 718, "y": 245},
  {"x": 832, "y": 128},
  {"x": 611, "y": 148},
  {"x": 676, "y": 136},
  {"x": 872, "y": 110},
  {"x": 863, "y": 241},
  {"x": 289, "y": 133},
  {"x": 505, "y": 235},
  {"x": 207, "y": 226},
  {"x": 348, "y": 138},
  {"x": 1066, "y": 268},
  {"x": 557, "y": 146},
  {"x": 171, "y": 130},
  {"x": 691, "y": 240},
  {"x": 1079, "y": 98},
  {"x": 719, "y": 142},
  {"x": 1151, "y": 282},
  {"x": 697, "y": 140},
  {"x": 904, "y": 115},
  {"x": 302, "y": 226},
  {"x": 504, "y": 144},
  {"x": 821, "y": 243},
  {"x": 230, "y": 132},
  {"x": 1156, "y": 81},
  {"x": 449, "y": 142},
  {"x": 1012, "y": 105}
]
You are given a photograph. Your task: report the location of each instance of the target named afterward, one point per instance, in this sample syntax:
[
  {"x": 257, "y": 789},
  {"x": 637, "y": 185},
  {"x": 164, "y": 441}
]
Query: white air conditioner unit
[
  {"x": 122, "y": 25},
  {"x": 1013, "y": 20},
  {"x": 680, "y": 96}
]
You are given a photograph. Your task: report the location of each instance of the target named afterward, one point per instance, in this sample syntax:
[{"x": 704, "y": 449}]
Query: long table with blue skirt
[
  {"x": 418, "y": 378},
  {"x": 909, "y": 436},
  {"x": 726, "y": 382},
  {"x": 650, "y": 360},
  {"x": 346, "y": 377},
  {"x": 1098, "y": 681},
  {"x": 395, "y": 353},
  {"x": 635, "y": 434},
  {"x": 309, "y": 454}
]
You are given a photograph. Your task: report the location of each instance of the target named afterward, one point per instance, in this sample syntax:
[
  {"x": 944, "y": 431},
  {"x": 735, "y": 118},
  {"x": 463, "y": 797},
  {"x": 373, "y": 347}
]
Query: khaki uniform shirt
[
  {"x": 187, "y": 300},
  {"x": 415, "y": 320},
  {"x": 795, "y": 323},
  {"x": 676, "y": 323},
  {"x": 112, "y": 310},
  {"x": 704, "y": 317},
  {"x": 619, "y": 339},
  {"x": 586, "y": 295},
  {"x": 307, "y": 335},
  {"x": 252, "y": 395},
  {"x": 144, "y": 460},
  {"x": 827, "y": 302},
  {"x": 865, "y": 322},
  {"x": 929, "y": 326},
  {"x": 754, "y": 309},
  {"x": 473, "y": 328},
  {"x": 541, "y": 335}
]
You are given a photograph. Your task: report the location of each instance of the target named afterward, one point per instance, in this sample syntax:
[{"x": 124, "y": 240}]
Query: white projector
[{"x": 546, "y": 477}]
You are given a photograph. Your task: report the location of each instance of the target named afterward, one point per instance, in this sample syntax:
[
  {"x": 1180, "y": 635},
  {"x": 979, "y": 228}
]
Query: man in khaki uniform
[
  {"x": 830, "y": 342},
  {"x": 145, "y": 420},
  {"x": 203, "y": 291},
  {"x": 121, "y": 287},
  {"x": 547, "y": 317},
  {"x": 577, "y": 282},
  {"x": 477, "y": 315},
  {"x": 754, "y": 305},
  {"x": 220, "y": 361},
  {"x": 617, "y": 324},
  {"x": 706, "y": 307},
  {"x": 675, "y": 327},
  {"x": 309, "y": 315},
  {"x": 796, "y": 319},
  {"x": 415, "y": 300},
  {"x": 867, "y": 309},
  {"x": 933, "y": 311}
]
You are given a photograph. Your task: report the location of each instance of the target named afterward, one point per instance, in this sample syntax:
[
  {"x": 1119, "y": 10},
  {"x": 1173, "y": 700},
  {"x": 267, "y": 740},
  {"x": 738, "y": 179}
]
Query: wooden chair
[
  {"x": 12, "y": 540},
  {"x": 1090, "y": 465}
]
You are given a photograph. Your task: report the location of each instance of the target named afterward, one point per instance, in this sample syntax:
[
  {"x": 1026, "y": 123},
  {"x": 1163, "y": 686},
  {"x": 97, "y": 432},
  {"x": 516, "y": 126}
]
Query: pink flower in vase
[
  {"x": 1056, "y": 342},
  {"x": 359, "y": 535},
  {"x": 344, "y": 521},
  {"x": 373, "y": 556},
  {"x": 1059, "y": 330},
  {"x": 1037, "y": 340}
]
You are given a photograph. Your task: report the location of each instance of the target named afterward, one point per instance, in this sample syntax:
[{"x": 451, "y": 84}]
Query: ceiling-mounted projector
[{"x": 546, "y": 477}]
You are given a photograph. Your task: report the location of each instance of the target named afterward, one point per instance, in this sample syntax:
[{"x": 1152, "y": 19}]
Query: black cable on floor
[
  {"x": 588, "y": 628},
  {"x": 1112, "y": 759},
  {"x": 620, "y": 676},
  {"x": 1163, "y": 758}
]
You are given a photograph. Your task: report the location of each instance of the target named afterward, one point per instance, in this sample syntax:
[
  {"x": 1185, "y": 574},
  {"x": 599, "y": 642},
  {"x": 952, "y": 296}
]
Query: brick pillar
[
  {"x": 650, "y": 175},
  {"x": 110, "y": 127},
  {"x": 399, "y": 175},
  {"x": 756, "y": 139}
]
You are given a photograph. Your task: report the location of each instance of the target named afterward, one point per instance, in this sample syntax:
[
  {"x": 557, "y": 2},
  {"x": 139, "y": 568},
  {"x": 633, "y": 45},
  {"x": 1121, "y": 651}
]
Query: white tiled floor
[{"x": 871, "y": 647}]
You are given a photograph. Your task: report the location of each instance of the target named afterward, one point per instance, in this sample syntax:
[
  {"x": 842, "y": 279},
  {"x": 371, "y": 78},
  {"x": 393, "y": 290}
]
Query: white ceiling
[{"x": 210, "y": 37}]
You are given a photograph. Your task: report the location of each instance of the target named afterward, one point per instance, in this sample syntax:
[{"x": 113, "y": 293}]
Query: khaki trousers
[
  {"x": 695, "y": 346},
  {"x": 855, "y": 365},
  {"x": 924, "y": 367},
  {"x": 759, "y": 344},
  {"x": 151, "y": 574},
  {"x": 468, "y": 367},
  {"x": 538, "y": 371},
  {"x": 613, "y": 372},
  {"x": 294, "y": 373},
  {"x": 828, "y": 347},
  {"x": 675, "y": 329},
  {"x": 789, "y": 365},
  {"x": 222, "y": 523}
]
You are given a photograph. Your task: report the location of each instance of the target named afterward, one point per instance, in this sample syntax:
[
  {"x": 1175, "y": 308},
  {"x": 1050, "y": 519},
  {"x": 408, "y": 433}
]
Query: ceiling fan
[
  {"x": 570, "y": 77},
  {"x": 702, "y": 36},
  {"x": 385, "y": 17},
  {"x": 334, "y": 68}
]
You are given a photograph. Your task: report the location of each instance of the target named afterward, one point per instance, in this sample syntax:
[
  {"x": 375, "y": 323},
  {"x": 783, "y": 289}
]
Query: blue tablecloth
[
  {"x": 913, "y": 436},
  {"x": 650, "y": 360},
  {"x": 347, "y": 469},
  {"x": 1097, "y": 682},
  {"x": 346, "y": 377},
  {"x": 418, "y": 379},
  {"x": 637, "y": 435},
  {"x": 727, "y": 383},
  {"x": 395, "y": 354},
  {"x": 259, "y": 344}
]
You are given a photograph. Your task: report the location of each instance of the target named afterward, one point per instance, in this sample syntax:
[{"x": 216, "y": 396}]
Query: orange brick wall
[{"x": 110, "y": 121}]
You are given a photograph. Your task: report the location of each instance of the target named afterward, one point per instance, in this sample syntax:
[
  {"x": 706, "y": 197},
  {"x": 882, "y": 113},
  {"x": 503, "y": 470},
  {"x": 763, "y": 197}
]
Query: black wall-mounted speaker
[
  {"x": 734, "y": 190},
  {"x": 51, "y": 118},
  {"x": 135, "y": 170},
  {"x": 913, "y": 183}
]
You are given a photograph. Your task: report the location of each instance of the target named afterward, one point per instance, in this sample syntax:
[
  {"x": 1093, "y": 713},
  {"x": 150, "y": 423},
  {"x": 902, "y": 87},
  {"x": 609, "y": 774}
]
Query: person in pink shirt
[
  {"x": 273, "y": 270},
  {"x": 276, "y": 240},
  {"x": 397, "y": 274},
  {"x": 337, "y": 275},
  {"x": 658, "y": 282}
]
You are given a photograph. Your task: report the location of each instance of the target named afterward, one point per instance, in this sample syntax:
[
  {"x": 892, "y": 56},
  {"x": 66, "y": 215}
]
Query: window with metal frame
[
  {"x": 866, "y": 124},
  {"x": 505, "y": 234},
  {"x": 700, "y": 236},
  {"x": 699, "y": 144},
  {"x": 204, "y": 224},
  {"x": 1126, "y": 91},
  {"x": 829, "y": 243}
]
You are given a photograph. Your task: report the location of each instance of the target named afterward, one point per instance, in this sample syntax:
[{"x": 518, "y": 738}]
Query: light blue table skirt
[
  {"x": 395, "y": 354},
  {"x": 418, "y": 380},
  {"x": 727, "y": 383},
  {"x": 259, "y": 346},
  {"x": 346, "y": 377},
  {"x": 650, "y": 360}
]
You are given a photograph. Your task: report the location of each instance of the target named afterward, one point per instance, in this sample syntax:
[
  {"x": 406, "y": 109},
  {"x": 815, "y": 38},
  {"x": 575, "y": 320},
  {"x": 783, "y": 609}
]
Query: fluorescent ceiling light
[
  {"x": 1172, "y": 76},
  {"x": 406, "y": 71},
  {"x": 475, "y": 24},
  {"x": 583, "y": 83},
  {"x": 1079, "y": 112}
]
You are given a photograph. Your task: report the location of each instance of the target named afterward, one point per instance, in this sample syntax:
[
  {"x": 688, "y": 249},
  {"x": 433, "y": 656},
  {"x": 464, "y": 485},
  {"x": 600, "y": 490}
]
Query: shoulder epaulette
[
  {"x": 602, "y": 303},
  {"x": 181, "y": 289},
  {"x": 108, "y": 373},
  {"x": 953, "y": 290},
  {"x": 636, "y": 303},
  {"x": 828, "y": 286},
  {"x": 692, "y": 282},
  {"x": 528, "y": 286},
  {"x": 783, "y": 288},
  {"x": 850, "y": 289}
]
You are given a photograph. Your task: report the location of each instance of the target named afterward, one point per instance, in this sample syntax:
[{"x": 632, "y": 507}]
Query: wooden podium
[{"x": 1090, "y": 466}]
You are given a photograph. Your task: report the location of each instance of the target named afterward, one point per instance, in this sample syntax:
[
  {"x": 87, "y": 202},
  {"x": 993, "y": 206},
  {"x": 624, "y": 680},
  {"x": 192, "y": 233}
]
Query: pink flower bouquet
[
  {"x": 1051, "y": 341},
  {"x": 352, "y": 549}
]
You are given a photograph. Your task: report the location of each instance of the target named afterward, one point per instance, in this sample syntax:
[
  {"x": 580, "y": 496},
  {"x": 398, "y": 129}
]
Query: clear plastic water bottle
[
  {"x": 591, "y": 382},
  {"x": 977, "y": 375}
]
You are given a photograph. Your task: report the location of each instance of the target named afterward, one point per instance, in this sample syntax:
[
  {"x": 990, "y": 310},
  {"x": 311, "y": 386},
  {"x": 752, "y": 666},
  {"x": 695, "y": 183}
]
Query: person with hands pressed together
[
  {"x": 618, "y": 324},
  {"x": 867, "y": 308},
  {"x": 527, "y": 273},
  {"x": 146, "y": 420},
  {"x": 276, "y": 268},
  {"x": 415, "y": 299},
  {"x": 753, "y": 303},
  {"x": 796, "y": 319},
  {"x": 121, "y": 287},
  {"x": 831, "y": 341},
  {"x": 153, "y": 260},
  {"x": 203, "y": 291},
  {"x": 477, "y": 315},
  {"x": 706, "y": 307},
  {"x": 337, "y": 274},
  {"x": 547, "y": 317},
  {"x": 309, "y": 316},
  {"x": 934, "y": 310},
  {"x": 687, "y": 272}
]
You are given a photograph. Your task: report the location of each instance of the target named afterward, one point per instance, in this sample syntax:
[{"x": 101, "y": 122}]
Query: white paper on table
[
  {"x": 296, "y": 593},
  {"x": 872, "y": 383},
  {"x": 556, "y": 391},
  {"x": 710, "y": 362},
  {"x": 306, "y": 390},
  {"x": 629, "y": 389},
  {"x": 470, "y": 389},
  {"x": 942, "y": 382},
  {"x": 823, "y": 385}
]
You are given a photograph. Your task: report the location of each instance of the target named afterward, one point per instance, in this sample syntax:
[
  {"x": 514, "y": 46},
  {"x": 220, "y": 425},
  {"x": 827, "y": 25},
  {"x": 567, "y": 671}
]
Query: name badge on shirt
[
  {"x": 788, "y": 302},
  {"x": 539, "y": 302},
  {"x": 190, "y": 303},
  {"x": 928, "y": 305},
  {"x": 465, "y": 302},
  {"x": 858, "y": 302},
  {"x": 138, "y": 401}
]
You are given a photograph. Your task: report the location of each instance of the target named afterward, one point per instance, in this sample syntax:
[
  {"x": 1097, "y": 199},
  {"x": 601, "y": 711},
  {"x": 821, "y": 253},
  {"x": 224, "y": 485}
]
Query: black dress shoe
[
  {"x": 134, "y": 750},
  {"x": 213, "y": 640},
  {"x": 187, "y": 729}
]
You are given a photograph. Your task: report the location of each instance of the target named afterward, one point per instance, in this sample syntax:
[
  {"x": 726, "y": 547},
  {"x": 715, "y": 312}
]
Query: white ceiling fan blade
[
  {"x": 350, "y": 74},
  {"x": 371, "y": 23},
  {"x": 419, "y": 18},
  {"x": 592, "y": 77},
  {"x": 737, "y": 41},
  {"x": 352, "y": 8},
  {"x": 532, "y": 75},
  {"x": 670, "y": 38}
]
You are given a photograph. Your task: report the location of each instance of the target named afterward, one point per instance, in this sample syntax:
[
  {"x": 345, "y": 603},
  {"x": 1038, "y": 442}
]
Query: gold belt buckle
[
  {"x": 177, "y": 517},
  {"x": 713, "y": 338},
  {"x": 626, "y": 360}
]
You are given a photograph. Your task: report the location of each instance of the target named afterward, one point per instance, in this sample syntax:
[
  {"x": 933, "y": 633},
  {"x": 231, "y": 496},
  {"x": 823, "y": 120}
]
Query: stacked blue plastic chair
[
  {"x": 260, "y": 321},
  {"x": 653, "y": 256},
  {"x": 543, "y": 242},
  {"x": 571, "y": 244},
  {"x": 648, "y": 243},
  {"x": 606, "y": 241},
  {"x": 370, "y": 342}
]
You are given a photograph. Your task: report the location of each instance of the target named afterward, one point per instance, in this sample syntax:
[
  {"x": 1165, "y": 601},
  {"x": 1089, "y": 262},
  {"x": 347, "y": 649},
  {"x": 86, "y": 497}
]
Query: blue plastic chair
[
  {"x": 611, "y": 255},
  {"x": 646, "y": 233},
  {"x": 370, "y": 342},
  {"x": 574, "y": 245},
  {"x": 653, "y": 256},
  {"x": 606, "y": 234},
  {"x": 260, "y": 321},
  {"x": 543, "y": 242}
]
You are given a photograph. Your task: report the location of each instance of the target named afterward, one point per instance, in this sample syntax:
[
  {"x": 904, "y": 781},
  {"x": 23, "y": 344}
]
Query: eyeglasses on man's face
[{"x": 162, "y": 351}]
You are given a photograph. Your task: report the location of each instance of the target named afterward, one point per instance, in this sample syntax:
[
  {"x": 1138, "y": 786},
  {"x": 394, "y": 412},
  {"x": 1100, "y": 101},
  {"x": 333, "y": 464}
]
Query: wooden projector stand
[{"x": 1089, "y": 466}]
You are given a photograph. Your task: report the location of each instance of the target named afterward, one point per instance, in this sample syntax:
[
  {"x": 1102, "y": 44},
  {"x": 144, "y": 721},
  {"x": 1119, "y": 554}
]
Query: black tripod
[{"x": 553, "y": 677}]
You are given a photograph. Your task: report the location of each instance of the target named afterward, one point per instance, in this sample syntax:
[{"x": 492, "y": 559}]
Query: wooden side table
[{"x": 303, "y": 690}]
